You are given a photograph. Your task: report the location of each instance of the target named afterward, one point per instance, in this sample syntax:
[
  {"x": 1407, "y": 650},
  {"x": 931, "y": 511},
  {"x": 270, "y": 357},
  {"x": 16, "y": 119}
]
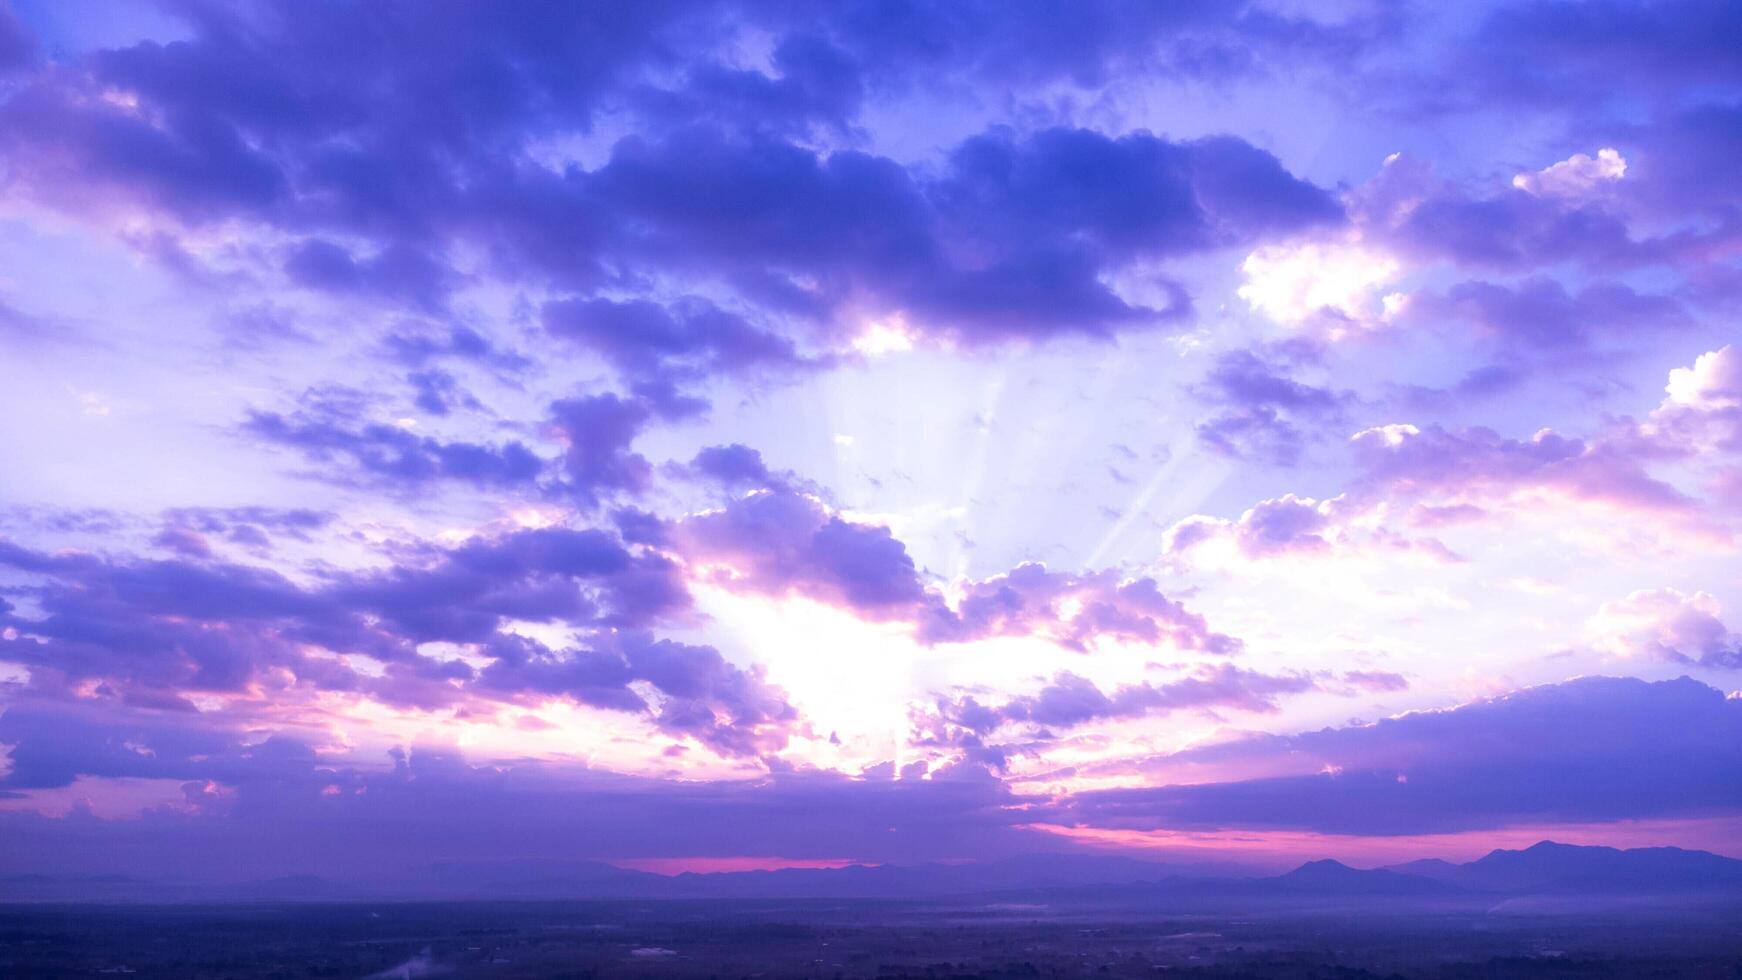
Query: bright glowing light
[
  {"x": 1293, "y": 283},
  {"x": 888, "y": 336}
]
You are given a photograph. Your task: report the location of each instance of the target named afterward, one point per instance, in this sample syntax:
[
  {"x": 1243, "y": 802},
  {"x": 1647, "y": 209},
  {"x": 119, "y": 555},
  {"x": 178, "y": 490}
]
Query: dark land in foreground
[
  {"x": 845, "y": 939},
  {"x": 1547, "y": 911}
]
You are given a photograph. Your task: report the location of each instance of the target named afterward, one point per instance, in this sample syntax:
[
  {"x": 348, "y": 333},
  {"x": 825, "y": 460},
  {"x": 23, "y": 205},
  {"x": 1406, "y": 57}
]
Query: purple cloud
[
  {"x": 1539, "y": 315},
  {"x": 1263, "y": 409},
  {"x": 1590, "y": 750},
  {"x": 329, "y": 427},
  {"x": 782, "y": 542},
  {"x": 1014, "y": 239},
  {"x": 1069, "y": 700},
  {"x": 1073, "y": 611},
  {"x": 692, "y": 338},
  {"x": 1406, "y": 460},
  {"x": 445, "y": 809},
  {"x": 157, "y": 630}
]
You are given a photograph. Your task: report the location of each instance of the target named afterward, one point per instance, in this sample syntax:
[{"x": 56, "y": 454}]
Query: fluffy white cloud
[
  {"x": 1714, "y": 382},
  {"x": 1575, "y": 176},
  {"x": 1293, "y": 283}
]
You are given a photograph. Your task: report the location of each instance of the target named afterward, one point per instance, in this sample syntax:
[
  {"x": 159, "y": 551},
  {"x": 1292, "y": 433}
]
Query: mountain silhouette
[
  {"x": 1544, "y": 869},
  {"x": 1335, "y": 878},
  {"x": 1551, "y": 867}
]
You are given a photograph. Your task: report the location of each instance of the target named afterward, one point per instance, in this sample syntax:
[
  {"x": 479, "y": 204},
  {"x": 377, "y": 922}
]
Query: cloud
[
  {"x": 688, "y": 339},
  {"x": 1032, "y": 43},
  {"x": 1069, "y": 700},
  {"x": 399, "y": 272},
  {"x": 1073, "y": 611},
  {"x": 1264, "y": 409},
  {"x": 157, "y": 630},
  {"x": 1592, "y": 750},
  {"x": 1014, "y": 238},
  {"x": 1538, "y": 315},
  {"x": 597, "y": 432},
  {"x": 782, "y": 542},
  {"x": 149, "y": 633},
  {"x": 1011, "y": 241},
  {"x": 1476, "y": 464},
  {"x": 699, "y": 695},
  {"x": 1559, "y": 53},
  {"x": 1409, "y": 213},
  {"x": 1701, "y": 413},
  {"x": 439, "y": 392},
  {"x": 445, "y": 808},
  {"x": 249, "y": 525},
  {"x": 1587, "y": 751},
  {"x": 1669, "y": 625},
  {"x": 735, "y": 468},
  {"x": 1575, "y": 176},
  {"x": 329, "y": 426},
  {"x": 1292, "y": 283},
  {"x": 1299, "y": 528},
  {"x": 1712, "y": 384},
  {"x": 1285, "y": 524}
]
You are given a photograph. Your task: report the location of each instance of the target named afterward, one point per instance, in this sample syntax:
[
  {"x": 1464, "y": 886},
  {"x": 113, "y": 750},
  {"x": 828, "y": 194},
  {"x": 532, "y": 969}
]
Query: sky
[{"x": 721, "y": 435}]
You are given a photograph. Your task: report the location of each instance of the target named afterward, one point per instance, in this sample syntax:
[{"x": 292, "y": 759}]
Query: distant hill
[
  {"x": 1336, "y": 878},
  {"x": 1548, "y": 867}
]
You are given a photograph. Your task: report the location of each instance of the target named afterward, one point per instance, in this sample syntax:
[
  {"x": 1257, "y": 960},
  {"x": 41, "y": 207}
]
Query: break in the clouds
[{"x": 864, "y": 431}]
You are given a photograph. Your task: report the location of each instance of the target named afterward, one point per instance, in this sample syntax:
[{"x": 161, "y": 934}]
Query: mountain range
[{"x": 1547, "y": 868}]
